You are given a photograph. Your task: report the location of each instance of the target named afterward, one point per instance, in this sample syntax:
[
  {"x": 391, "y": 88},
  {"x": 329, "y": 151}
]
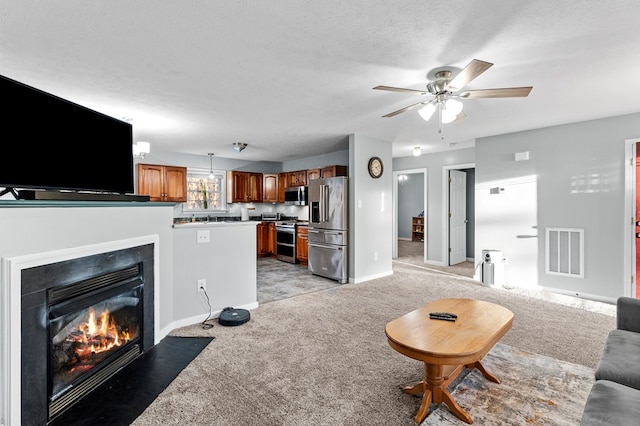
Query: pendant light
[{"x": 211, "y": 176}]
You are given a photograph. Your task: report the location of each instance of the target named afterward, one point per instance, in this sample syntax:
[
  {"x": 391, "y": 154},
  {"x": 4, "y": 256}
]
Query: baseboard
[
  {"x": 370, "y": 277},
  {"x": 197, "y": 319},
  {"x": 587, "y": 296}
]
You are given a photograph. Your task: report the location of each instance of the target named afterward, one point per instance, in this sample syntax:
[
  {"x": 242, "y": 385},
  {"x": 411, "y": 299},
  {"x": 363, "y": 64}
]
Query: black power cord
[{"x": 207, "y": 323}]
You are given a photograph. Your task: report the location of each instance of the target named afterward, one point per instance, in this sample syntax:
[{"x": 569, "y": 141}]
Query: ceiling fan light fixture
[
  {"x": 453, "y": 106},
  {"x": 416, "y": 151},
  {"x": 448, "y": 117},
  {"x": 239, "y": 146},
  {"x": 427, "y": 111}
]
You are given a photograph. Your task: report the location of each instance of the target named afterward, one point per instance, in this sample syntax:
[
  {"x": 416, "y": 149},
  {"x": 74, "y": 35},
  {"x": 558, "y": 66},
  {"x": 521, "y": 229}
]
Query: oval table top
[{"x": 478, "y": 327}]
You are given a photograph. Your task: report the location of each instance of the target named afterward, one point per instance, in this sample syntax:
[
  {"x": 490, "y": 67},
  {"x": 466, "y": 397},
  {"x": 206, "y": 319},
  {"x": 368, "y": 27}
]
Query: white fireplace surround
[{"x": 10, "y": 312}]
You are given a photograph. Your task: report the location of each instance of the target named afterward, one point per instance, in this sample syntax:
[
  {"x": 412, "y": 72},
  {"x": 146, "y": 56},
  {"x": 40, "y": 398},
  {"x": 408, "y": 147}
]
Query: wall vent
[{"x": 564, "y": 252}]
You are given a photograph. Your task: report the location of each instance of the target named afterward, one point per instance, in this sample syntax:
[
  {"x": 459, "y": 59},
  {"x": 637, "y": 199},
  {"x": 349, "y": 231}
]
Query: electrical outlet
[
  {"x": 203, "y": 236},
  {"x": 202, "y": 285},
  {"x": 375, "y": 255}
]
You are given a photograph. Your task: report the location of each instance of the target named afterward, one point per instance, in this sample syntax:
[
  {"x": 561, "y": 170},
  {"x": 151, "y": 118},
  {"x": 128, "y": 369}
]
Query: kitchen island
[{"x": 223, "y": 254}]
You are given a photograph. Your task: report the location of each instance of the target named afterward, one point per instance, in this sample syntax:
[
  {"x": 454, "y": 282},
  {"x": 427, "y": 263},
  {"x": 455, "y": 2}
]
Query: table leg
[
  {"x": 435, "y": 381},
  {"x": 485, "y": 373}
]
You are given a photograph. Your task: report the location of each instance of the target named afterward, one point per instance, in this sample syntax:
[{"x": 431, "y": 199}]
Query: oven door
[{"x": 286, "y": 243}]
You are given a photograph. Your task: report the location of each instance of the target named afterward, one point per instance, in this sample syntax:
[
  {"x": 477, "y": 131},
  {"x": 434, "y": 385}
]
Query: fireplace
[{"x": 83, "y": 319}]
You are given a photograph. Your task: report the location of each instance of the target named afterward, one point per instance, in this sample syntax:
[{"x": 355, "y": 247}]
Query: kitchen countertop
[{"x": 203, "y": 224}]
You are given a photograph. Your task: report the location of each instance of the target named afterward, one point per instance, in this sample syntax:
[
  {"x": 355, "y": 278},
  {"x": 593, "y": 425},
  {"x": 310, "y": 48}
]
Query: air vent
[{"x": 564, "y": 252}]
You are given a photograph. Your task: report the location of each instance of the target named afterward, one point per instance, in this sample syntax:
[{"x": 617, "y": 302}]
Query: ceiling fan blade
[
  {"x": 410, "y": 107},
  {"x": 400, "y": 89},
  {"x": 468, "y": 73},
  {"x": 507, "y": 92}
]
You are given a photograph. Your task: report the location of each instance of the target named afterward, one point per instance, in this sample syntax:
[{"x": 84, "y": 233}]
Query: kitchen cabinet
[
  {"x": 333, "y": 171},
  {"x": 313, "y": 174},
  {"x": 272, "y": 238},
  {"x": 162, "y": 183},
  {"x": 270, "y": 188},
  {"x": 282, "y": 184},
  {"x": 302, "y": 244},
  {"x": 266, "y": 239},
  {"x": 262, "y": 239},
  {"x": 417, "y": 228},
  {"x": 297, "y": 178},
  {"x": 244, "y": 187}
]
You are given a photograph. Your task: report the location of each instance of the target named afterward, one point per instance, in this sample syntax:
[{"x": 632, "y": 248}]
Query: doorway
[
  {"x": 403, "y": 212},
  {"x": 632, "y": 208},
  {"x": 458, "y": 214}
]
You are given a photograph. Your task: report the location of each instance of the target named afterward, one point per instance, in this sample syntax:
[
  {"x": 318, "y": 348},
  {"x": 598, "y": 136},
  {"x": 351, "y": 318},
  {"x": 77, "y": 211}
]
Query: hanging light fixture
[
  {"x": 140, "y": 149},
  {"x": 416, "y": 151},
  {"x": 239, "y": 146},
  {"x": 211, "y": 175},
  {"x": 427, "y": 111},
  {"x": 448, "y": 110}
]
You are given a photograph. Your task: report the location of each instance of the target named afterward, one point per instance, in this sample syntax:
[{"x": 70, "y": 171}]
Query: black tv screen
[{"x": 59, "y": 145}]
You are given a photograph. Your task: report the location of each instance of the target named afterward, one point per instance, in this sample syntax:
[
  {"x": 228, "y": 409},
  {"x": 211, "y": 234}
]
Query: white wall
[
  {"x": 371, "y": 214},
  {"x": 30, "y": 230},
  {"x": 574, "y": 179}
]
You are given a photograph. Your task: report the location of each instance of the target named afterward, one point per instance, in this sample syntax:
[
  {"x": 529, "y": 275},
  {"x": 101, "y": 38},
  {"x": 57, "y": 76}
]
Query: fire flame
[{"x": 99, "y": 335}]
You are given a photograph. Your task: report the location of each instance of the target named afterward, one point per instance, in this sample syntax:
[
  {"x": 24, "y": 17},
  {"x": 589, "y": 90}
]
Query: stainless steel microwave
[{"x": 296, "y": 196}]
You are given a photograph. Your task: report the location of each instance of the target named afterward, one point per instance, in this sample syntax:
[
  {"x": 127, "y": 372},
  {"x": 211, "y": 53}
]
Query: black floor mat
[{"x": 124, "y": 396}]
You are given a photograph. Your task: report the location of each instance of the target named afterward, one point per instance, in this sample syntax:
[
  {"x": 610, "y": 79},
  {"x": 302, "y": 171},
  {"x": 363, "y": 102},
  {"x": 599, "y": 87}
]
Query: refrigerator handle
[
  {"x": 326, "y": 202},
  {"x": 322, "y": 202}
]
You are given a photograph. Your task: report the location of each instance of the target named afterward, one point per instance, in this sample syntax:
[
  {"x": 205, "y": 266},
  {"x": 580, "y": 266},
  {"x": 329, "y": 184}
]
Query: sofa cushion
[
  {"x": 611, "y": 404},
  {"x": 621, "y": 358}
]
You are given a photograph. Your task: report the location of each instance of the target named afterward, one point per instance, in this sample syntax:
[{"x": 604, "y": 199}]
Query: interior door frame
[
  {"x": 445, "y": 207},
  {"x": 630, "y": 278},
  {"x": 396, "y": 173}
]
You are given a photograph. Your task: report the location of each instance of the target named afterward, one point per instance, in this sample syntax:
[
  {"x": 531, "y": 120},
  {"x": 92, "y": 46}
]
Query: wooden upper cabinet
[
  {"x": 244, "y": 187},
  {"x": 255, "y": 187},
  {"x": 333, "y": 171},
  {"x": 282, "y": 185},
  {"x": 162, "y": 183},
  {"x": 270, "y": 188},
  {"x": 313, "y": 174},
  {"x": 297, "y": 178}
]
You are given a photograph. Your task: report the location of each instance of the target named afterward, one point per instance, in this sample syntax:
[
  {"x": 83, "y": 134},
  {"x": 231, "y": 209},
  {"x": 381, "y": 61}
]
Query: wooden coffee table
[{"x": 446, "y": 348}]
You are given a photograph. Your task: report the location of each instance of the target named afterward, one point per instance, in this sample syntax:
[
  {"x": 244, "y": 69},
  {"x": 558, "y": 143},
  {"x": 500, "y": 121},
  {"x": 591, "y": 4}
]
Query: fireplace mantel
[
  {"x": 10, "y": 305},
  {"x": 29, "y": 233},
  {"x": 30, "y": 229}
]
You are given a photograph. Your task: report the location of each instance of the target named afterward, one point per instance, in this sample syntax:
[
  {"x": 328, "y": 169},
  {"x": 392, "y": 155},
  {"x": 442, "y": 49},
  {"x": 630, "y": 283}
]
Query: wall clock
[{"x": 375, "y": 167}]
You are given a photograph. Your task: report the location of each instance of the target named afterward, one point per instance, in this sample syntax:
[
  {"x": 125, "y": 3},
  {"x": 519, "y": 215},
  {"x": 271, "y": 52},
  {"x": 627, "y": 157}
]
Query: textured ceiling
[{"x": 292, "y": 78}]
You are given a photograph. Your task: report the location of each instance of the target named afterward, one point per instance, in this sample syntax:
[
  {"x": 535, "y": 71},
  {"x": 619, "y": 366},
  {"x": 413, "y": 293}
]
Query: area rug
[
  {"x": 534, "y": 390},
  {"x": 129, "y": 392}
]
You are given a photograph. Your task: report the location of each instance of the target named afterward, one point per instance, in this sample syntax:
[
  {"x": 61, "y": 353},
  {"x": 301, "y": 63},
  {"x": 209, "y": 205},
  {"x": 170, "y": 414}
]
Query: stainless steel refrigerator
[{"x": 328, "y": 233}]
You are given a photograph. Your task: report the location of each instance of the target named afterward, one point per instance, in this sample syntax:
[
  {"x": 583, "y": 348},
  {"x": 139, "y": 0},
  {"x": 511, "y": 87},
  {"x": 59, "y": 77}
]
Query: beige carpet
[{"x": 322, "y": 359}]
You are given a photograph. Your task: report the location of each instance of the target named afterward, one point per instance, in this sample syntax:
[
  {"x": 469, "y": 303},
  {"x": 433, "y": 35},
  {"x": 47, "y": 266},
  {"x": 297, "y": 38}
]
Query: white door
[{"x": 457, "y": 217}]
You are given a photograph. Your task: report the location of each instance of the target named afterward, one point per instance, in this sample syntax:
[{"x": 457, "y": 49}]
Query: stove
[{"x": 286, "y": 241}]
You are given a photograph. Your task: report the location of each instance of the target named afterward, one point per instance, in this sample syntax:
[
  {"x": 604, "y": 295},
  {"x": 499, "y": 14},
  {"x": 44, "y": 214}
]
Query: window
[{"x": 205, "y": 193}]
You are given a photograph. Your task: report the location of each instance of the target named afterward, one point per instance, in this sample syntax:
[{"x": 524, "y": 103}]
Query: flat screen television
[{"x": 58, "y": 145}]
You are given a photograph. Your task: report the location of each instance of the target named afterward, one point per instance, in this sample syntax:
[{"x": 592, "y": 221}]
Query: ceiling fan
[{"x": 447, "y": 91}]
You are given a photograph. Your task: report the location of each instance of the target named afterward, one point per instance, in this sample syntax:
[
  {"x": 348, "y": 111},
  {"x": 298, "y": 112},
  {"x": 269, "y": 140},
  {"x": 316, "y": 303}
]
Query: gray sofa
[{"x": 615, "y": 396}]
